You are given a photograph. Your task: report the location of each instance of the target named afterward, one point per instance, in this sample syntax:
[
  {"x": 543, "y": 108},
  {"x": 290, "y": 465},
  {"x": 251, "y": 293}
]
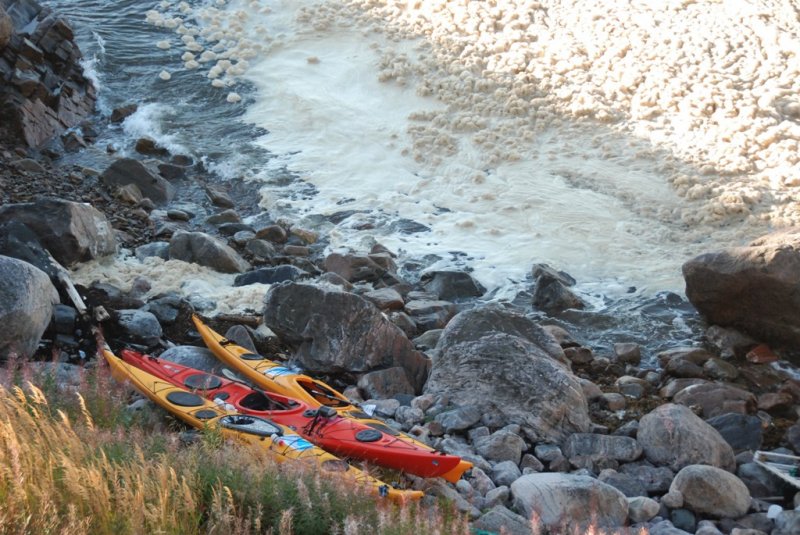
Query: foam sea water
[{"x": 584, "y": 135}]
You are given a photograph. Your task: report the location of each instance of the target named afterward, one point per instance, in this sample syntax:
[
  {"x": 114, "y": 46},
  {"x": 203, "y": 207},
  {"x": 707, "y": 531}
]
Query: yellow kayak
[
  {"x": 281, "y": 442},
  {"x": 274, "y": 377}
]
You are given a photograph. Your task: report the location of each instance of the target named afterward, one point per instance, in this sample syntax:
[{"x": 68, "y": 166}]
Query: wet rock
[
  {"x": 27, "y": 298},
  {"x": 750, "y": 288},
  {"x": 719, "y": 369},
  {"x": 560, "y": 501},
  {"x": 712, "y": 491},
  {"x": 759, "y": 482},
  {"x": 642, "y": 509},
  {"x": 632, "y": 387},
  {"x": 126, "y": 171},
  {"x": 676, "y": 385},
  {"x": 428, "y": 315},
  {"x": 672, "y": 435},
  {"x": 260, "y": 248},
  {"x": 683, "y": 519},
  {"x": 120, "y": 114},
  {"x": 358, "y": 268},
  {"x": 226, "y": 216},
  {"x": 71, "y": 232},
  {"x": 139, "y": 327},
  {"x": 761, "y": 354},
  {"x": 385, "y": 383},
  {"x": 551, "y": 291},
  {"x": 459, "y": 419},
  {"x": 336, "y": 331},
  {"x": 148, "y": 146},
  {"x": 628, "y": 353},
  {"x": 775, "y": 401},
  {"x": 218, "y": 196},
  {"x": 271, "y": 275},
  {"x": 452, "y": 285},
  {"x": 742, "y": 432},
  {"x": 205, "y": 250},
  {"x": 158, "y": 249},
  {"x": 273, "y": 233},
  {"x": 386, "y": 299},
  {"x": 729, "y": 343},
  {"x": 501, "y": 445},
  {"x": 599, "y": 447},
  {"x": 717, "y": 398}
]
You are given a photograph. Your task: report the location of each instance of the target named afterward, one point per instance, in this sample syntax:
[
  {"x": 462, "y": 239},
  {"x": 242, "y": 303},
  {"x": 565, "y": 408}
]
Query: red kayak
[{"x": 322, "y": 426}]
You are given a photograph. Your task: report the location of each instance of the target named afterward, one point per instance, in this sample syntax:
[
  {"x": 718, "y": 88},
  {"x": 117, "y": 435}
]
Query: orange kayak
[{"x": 273, "y": 377}]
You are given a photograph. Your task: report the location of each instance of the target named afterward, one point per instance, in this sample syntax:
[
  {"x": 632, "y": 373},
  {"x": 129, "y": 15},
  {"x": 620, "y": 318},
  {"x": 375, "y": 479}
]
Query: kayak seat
[
  {"x": 185, "y": 399},
  {"x": 202, "y": 381},
  {"x": 256, "y": 401}
]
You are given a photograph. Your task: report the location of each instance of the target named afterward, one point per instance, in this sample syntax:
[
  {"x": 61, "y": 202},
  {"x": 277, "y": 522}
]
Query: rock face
[
  {"x": 43, "y": 89},
  {"x": 72, "y": 232},
  {"x": 752, "y": 288},
  {"x": 26, "y": 304},
  {"x": 672, "y": 435},
  {"x": 337, "y": 331},
  {"x": 559, "y": 502},
  {"x": 712, "y": 491},
  {"x": 508, "y": 365},
  {"x": 205, "y": 250}
]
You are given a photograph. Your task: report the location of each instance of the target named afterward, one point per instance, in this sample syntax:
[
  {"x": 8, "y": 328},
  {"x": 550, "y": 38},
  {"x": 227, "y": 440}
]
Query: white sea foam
[
  {"x": 146, "y": 122},
  {"x": 196, "y": 283},
  {"x": 609, "y": 139}
]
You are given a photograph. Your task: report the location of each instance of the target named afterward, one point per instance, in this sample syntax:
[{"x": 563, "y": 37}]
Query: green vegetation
[{"x": 82, "y": 462}]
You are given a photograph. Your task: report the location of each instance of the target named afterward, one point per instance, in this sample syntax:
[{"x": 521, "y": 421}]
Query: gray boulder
[
  {"x": 510, "y": 377},
  {"x": 125, "y": 171},
  {"x": 505, "y": 473},
  {"x": 501, "y": 445},
  {"x": 72, "y": 232},
  {"x": 459, "y": 419},
  {"x": 336, "y": 331},
  {"x": 452, "y": 285},
  {"x": 672, "y": 435},
  {"x": 551, "y": 291},
  {"x": 139, "y": 327},
  {"x": 385, "y": 383},
  {"x": 717, "y": 398},
  {"x": 598, "y": 447},
  {"x": 655, "y": 480},
  {"x": 569, "y": 502},
  {"x": 205, "y": 250},
  {"x": 27, "y": 298},
  {"x": 751, "y": 288},
  {"x": 743, "y": 432},
  {"x": 712, "y": 491},
  {"x": 270, "y": 275},
  {"x": 642, "y": 508},
  {"x": 194, "y": 357}
]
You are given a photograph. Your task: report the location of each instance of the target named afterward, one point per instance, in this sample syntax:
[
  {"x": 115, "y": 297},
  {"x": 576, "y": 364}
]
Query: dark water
[{"x": 193, "y": 118}]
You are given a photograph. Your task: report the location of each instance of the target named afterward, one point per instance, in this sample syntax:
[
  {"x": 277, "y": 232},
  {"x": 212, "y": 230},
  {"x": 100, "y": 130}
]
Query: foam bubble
[{"x": 164, "y": 75}]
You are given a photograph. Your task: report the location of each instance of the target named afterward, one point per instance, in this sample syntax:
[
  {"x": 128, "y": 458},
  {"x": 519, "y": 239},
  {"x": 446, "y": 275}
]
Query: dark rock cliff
[{"x": 43, "y": 90}]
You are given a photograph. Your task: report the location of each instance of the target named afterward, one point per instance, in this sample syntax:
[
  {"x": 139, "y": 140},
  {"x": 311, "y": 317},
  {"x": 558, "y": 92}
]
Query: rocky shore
[{"x": 563, "y": 436}]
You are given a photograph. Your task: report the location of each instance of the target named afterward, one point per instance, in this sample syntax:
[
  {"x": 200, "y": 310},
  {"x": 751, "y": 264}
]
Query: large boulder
[
  {"x": 337, "y": 331},
  {"x": 125, "y": 171},
  {"x": 72, "y": 232},
  {"x": 755, "y": 288},
  {"x": 709, "y": 490},
  {"x": 26, "y": 304},
  {"x": 44, "y": 89},
  {"x": 200, "y": 248},
  {"x": 567, "y": 503},
  {"x": 507, "y": 365},
  {"x": 672, "y": 435}
]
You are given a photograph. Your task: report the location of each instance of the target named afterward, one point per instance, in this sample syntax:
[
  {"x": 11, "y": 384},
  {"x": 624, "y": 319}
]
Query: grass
[{"x": 79, "y": 462}]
